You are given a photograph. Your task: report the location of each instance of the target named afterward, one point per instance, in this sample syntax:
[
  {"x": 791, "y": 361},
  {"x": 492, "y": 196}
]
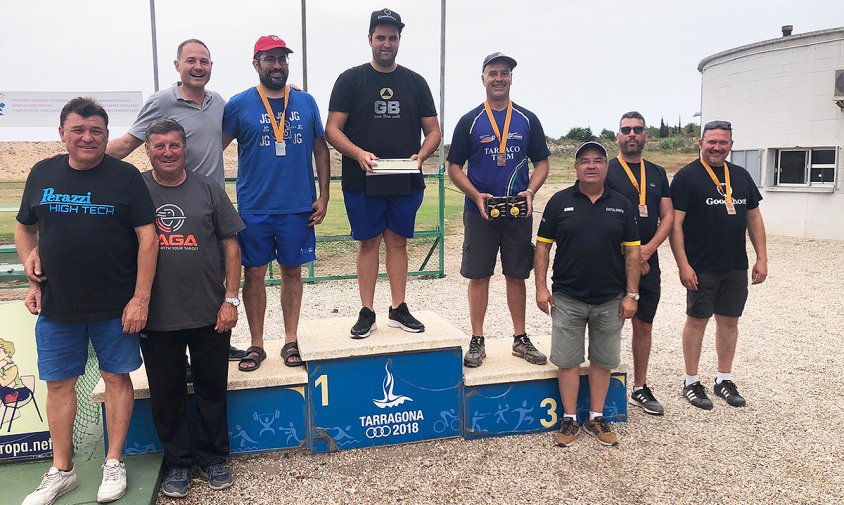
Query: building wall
[{"x": 778, "y": 94}]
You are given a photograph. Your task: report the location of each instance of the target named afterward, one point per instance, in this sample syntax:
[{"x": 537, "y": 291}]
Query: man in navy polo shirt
[
  {"x": 497, "y": 138},
  {"x": 591, "y": 225},
  {"x": 716, "y": 204},
  {"x": 646, "y": 186}
]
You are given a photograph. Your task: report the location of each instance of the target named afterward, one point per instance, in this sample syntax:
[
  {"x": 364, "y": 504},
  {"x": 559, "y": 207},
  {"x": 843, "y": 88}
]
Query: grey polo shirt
[{"x": 202, "y": 123}]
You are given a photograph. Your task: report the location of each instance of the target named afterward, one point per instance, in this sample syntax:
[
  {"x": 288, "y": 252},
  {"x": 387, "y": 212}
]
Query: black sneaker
[
  {"x": 728, "y": 391},
  {"x": 400, "y": 318},
  {"x": 366, "y": 323},
  {"x": 696, "y": 394},
  {"x": 476, "y": 353},
  {"x": 644, "y": 398}
]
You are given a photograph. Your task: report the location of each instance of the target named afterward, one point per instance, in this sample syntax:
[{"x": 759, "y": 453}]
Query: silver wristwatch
[
  {"x": 234, "y": 301},
  {"x": 634, "y": 296}
]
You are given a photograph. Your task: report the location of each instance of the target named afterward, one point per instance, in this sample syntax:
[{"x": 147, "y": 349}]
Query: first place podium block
[
  {"x": 393, "y": 387},
  {"x": 507, "y": 395}
]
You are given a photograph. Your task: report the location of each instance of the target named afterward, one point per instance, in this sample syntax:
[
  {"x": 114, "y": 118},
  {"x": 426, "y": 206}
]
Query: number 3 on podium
[
  {"x": 322, "y": 382},
  {"x": 552, "y": 412}
]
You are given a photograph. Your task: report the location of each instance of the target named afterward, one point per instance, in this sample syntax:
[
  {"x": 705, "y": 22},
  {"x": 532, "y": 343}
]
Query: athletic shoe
[
  {"x": 218, "y": 476},
  {"x": 696, "y": 394},
  {"x": 644, "y": 398},
  {"x": 176, "y": 482},
  {"x": 400, "y": 318},
  {"x": 524, "y": 348},
  {"x": 366, "y": 323},
  {"x": 476, "y": 353},
  {"x": 600, "y": 429},
  {"x": 569, "y": 430},
  {"x": 53, "y": 484},
  {"x": 113, "y": 486},
  {"x": 728, "y": 391}
]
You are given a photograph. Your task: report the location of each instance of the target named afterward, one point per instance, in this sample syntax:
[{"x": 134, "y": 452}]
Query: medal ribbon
[
  {"x": 502, "y": 138},
  {"x": 728, "y": 198},
  {"x": 277, "y": 129},
  {"x": 641, "y": 189}
]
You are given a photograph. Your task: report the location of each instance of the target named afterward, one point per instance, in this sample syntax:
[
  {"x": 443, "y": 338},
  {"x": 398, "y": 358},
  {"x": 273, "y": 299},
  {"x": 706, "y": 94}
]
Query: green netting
[{"x": 87, "y": 423}]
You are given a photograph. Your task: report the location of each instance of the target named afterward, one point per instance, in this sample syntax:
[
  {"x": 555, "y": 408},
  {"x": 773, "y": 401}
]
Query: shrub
[{"x": 580, "y": 133}]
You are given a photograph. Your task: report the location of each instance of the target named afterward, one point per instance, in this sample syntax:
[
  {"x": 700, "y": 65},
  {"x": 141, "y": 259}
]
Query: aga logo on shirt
[{"x": 170, "y": 218}]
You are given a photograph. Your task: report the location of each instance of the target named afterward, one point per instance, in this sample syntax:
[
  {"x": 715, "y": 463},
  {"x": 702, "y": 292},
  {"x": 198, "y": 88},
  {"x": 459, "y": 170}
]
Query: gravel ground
[{"x": 784, "y": 447}]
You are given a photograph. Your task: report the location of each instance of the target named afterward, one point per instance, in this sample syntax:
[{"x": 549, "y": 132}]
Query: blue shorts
[
  {"x": 369, "y": 216},
  {"x": 283, "y": 237},
  {"x": 63, "y": 348}
]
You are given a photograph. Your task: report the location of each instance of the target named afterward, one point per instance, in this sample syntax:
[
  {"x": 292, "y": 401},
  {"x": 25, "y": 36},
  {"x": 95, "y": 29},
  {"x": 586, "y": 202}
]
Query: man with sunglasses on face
[
  {"x": 646, "y": 186},
  {"x": 279, "y": 133},
  {"x": 715, "y": 204}
]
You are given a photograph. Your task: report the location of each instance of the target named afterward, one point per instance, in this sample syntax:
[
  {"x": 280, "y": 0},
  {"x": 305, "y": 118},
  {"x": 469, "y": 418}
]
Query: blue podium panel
[
  {"x": 262, "y": 419},
  {"x": 385, "y": 399},
  {"x": 533, "y": 406}
]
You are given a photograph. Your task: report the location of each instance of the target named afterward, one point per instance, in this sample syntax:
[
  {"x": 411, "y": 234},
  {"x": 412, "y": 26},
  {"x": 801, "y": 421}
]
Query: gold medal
[
  {"x": 278, "y": 126},
  {"x": 643, "y": 211},
  {"x": 514, "y": 211},
  {"x": 501, "y": 159},
  {"x": 494, "y": 213},
  {"x": 502, "y": 136}
]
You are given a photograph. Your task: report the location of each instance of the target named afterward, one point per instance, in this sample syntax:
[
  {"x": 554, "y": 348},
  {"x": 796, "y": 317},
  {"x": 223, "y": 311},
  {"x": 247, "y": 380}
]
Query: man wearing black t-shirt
[
  {"x": 377, "y": 111},
  {"x": 715, "y": 204},
  {"x": 91, "y": 218},
  {"x": 646, "y": 186},
  {"x": 595, "y": 284}
]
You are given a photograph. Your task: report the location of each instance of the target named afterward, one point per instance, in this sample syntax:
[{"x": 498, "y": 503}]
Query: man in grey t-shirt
[
  {"x": 197, "y": 109},
  {"x": 189, "y": 308}
]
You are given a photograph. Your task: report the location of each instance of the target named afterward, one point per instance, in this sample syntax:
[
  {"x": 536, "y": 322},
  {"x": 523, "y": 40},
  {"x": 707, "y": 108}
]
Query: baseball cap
[
  {"x": 268, "y": 42},
  {"x": 499, "y": 56},
  {"x": 590, "y": 145},
  {"x": 385, "y": 17}
]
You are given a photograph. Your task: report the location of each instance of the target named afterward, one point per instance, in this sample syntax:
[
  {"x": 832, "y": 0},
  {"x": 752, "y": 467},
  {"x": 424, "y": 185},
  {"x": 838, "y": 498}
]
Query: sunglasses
[
  {"x": 625, "y": 130},
  {"x": 718, "y": 125}
]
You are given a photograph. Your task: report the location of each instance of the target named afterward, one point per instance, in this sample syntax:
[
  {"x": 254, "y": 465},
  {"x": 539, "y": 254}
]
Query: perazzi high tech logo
[
  {"x": 170, "y": 218},
  {"x": 65, "y": 203}
]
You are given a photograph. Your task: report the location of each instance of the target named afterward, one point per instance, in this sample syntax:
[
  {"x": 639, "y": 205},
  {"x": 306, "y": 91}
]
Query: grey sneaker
[
  {"x": 644, "y": 398},
  {"x": 113, "y": 486},
  {"x": 476, "y": 353},
  {"x": 53, "y": 484},
  {"x": 728, "y": 391},
  {"x": 176, "y": 482},
  {"x": 218, "y": 476},
  {"x": 569, "y": 430},
  {"x": 524, "y": 348},
  {"x": 696, "y": 394}
]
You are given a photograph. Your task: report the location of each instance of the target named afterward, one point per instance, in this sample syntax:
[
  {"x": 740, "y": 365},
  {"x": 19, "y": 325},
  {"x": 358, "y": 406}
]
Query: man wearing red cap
[
  {"x": 377, "y": 111},
  {"x": 279, "y": 133}
]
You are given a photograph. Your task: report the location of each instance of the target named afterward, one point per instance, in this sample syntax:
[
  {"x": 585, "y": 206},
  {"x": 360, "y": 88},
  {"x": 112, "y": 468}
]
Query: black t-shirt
[
  {"x": 589, "y": 264},
  {"x": 385, "y": 116},
  {"x": 714, "y": 240},
  {"x": 658, "y": 188},
  {"x": 86, "y": 235}
]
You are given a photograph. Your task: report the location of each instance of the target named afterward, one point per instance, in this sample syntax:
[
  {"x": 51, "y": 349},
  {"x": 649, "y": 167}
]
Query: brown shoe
[
  {"x": 524, "y": 348},
  {"x": 569, "y": 430},
  {"x": 600, "y": 429}
]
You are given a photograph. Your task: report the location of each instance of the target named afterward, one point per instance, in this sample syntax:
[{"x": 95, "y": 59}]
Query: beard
[
  {"x": 632, "y": 150},
  {"x": 271, "y": 83}
]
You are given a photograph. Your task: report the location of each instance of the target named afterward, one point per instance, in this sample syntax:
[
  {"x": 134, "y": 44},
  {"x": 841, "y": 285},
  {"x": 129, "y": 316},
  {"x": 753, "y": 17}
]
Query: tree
[
  {"x": 607, "y": 134},
  {"x": 580, "y": 133},
  {"x": 692, "y": 130},
  {"x": 663, "y": 129}
]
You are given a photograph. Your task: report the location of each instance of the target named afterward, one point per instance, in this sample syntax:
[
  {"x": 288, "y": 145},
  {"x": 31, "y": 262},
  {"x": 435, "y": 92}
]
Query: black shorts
[
  {"x": 482, "y": 240},
  {"x": 649, "y": 293},
  {"x": 721, "y": 293}
]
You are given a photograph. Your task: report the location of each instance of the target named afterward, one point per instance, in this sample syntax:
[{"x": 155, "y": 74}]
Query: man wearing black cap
[
  {"x": 279, "y": 134},
  {"x": 711, "y": 221},
  {"x": 646, "y": 186},
  {"x": 377, "y": 111},
  {"x": 594, "y": 285},
  {"x": 497, "y": 138}
]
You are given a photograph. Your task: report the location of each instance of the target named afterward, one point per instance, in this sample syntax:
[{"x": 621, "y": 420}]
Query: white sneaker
[
  {"x": 54, "y": 483},
  {"x": 113, "y": 486}
]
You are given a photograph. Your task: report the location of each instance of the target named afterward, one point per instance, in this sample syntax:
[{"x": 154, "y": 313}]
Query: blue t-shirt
[
  {"x": 266, "y": 183},
  {"x": 474, "y": 140}
]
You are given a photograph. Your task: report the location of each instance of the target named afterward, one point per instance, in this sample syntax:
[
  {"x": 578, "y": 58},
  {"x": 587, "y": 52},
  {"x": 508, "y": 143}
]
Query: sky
[{"x": 579, "y": 63}]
